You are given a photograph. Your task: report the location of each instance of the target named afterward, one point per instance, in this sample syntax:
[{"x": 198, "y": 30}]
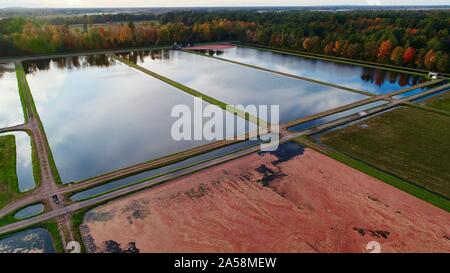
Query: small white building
[
  {"x": 433, "y": 75},
  {"x": 177, "y": 46},
  {"x": 362, "y": 113}
]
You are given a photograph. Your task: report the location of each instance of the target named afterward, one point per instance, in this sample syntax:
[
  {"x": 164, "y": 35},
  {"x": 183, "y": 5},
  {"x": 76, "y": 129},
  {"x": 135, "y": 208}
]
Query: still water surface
[
  {"x": 29, "y": 211},
  {"x": 101, "y": 115},
  {"x": 372, "y": 80},
  {"x": 10, "y": 107},
  {"x": 236, "y": 84}
]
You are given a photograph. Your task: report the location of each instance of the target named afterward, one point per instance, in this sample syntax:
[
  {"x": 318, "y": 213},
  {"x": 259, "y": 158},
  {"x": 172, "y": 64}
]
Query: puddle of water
[
  {"x": 29, "y": 211},
  {"x": 286, "y": 152},
  {"x": 36, "y": 240}
]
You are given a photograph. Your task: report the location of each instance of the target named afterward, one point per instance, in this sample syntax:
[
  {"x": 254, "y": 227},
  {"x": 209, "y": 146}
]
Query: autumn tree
[
  {"x": 415, "y": 39},
  {"x": 370, "y": 51},
  {"x": 384, "y": 51},
  {"x": 442, "y": 61},
  {"x": 430, "y": 59},
  {"x": 397, "y": 55},
  {"x": 307, "y": 44},
  {"x": 409, "y": 55},
  {"x": 329, "y": 48},
  {"x": 337, "y": 47}
]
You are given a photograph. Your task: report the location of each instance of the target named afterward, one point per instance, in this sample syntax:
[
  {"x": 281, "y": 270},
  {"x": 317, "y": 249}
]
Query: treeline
[
  {"x": 32, "y": 36},
  {"x": 100, "y": 18},
  {"x": 417, "y": 39}
]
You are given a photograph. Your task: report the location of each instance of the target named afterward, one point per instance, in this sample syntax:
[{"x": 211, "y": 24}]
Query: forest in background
[{"x": 417, "y": 39}]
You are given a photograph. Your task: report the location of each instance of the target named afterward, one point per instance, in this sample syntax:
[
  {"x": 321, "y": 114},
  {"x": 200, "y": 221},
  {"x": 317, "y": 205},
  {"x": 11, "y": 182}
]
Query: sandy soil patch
[{"x": 281, "y": 202}]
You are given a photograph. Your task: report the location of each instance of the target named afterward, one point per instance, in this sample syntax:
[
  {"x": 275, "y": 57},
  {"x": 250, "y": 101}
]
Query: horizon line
[{"x": 255, "y": 6}]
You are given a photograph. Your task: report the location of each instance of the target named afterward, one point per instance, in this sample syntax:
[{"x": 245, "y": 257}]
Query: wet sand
[{"x": 299, "y": 201}]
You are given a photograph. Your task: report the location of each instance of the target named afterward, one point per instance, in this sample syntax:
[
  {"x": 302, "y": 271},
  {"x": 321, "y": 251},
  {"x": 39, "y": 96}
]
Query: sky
[{"x": 184, "y": 3}]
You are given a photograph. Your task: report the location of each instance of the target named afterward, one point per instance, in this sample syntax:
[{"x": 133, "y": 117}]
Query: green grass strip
[
  {"x": 37, "y": 174},
  {"x": 6, "y": 196},
  {"x": 76, "y": 220},
  {"x": 22, "y": 87},
  {"x": 9, "y": 218},
  {"x": 376, "y": 173},
  {"x": 428, "y": 109},
  {"x": 439, "y": 101},
  {"x": 9, "y": 186},
  {"x": 182, "y": 87},
  {"x": 52, "y": 227},
  {"x": 285, "y": 74},
  {"x": 32, "y": 111}
]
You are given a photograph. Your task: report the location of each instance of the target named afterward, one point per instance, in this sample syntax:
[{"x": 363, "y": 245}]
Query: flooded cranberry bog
[
  {"x": 122, "y": 117},
  {"x": 373, "y": 80},
  {"x": 11, "y": 112},
  {"x": 239, "y": 85}
]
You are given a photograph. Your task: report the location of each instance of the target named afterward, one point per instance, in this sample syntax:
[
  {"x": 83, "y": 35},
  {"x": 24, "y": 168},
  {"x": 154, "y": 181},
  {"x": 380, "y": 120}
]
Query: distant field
[
  {"x": 409, "y": 143},
  {"x": 97, "y": 25},
  {"x": 441, "y": 102},
  {"x": 8, "y": 176}
]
